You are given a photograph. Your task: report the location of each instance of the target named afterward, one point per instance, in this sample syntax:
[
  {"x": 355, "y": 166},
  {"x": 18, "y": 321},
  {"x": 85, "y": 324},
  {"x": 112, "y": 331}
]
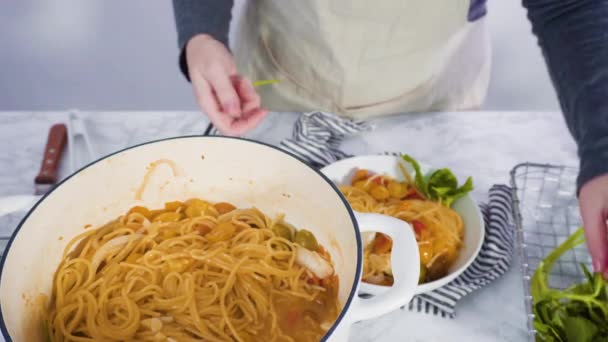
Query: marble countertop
[{"x": 486, "y": 145}]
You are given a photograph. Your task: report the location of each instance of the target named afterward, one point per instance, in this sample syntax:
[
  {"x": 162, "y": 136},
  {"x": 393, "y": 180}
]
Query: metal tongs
[{"x": 79, "y": 140}]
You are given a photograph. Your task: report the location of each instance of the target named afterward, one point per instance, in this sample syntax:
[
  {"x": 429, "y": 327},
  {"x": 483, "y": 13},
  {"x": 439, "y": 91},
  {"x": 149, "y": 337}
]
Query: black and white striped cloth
[
  {"x": 493, "y": 260},
  {"x": 316, "y": 139}
]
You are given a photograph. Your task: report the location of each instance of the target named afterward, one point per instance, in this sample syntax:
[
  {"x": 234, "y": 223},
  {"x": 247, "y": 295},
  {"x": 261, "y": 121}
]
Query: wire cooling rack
[{"x": 546, "y": 213}]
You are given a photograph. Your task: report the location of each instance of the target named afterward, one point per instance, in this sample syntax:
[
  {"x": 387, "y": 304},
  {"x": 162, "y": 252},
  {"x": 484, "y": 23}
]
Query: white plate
[{"x": 341, "y": 173}]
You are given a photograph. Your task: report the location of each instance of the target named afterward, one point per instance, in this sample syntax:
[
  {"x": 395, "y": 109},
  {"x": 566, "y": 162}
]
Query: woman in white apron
[
  {"x": 344, "y": 57},
  {"x": 361, "y": 58}
]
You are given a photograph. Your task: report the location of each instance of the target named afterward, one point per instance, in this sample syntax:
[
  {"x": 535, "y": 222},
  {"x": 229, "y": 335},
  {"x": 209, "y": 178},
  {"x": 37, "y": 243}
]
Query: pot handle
[{"x": 405, "y": 263}]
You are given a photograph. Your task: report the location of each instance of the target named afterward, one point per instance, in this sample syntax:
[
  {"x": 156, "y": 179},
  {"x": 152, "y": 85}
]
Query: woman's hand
[
  {"x": 593, "y": 200},
  {"x": 229, "y": 100}
]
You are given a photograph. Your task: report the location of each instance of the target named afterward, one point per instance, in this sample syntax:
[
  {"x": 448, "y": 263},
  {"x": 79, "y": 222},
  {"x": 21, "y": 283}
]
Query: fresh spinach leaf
[
  {"x": 576, "y": 314},
  {"x": 419, "y": 177},
  {"x": 459, "y": 192},
  {"x": 441, "y": 185},
  {"x": 579, "y": 329},
  {"x": 540, "y": 279}
]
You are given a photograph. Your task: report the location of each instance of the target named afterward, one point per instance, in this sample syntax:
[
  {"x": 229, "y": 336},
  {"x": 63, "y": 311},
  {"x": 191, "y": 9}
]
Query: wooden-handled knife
[{"x": 47, "y": 177}]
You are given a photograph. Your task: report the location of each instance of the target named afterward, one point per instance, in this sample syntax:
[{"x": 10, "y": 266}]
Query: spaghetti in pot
[
  {"x": 193, "y": 271},
  {"x": 439, "y": 229}
]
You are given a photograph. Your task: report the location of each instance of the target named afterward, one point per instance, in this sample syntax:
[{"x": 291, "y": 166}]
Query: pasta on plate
[
  {"x": 439, "y": 229},
  {"x": 193, "y": 271}
]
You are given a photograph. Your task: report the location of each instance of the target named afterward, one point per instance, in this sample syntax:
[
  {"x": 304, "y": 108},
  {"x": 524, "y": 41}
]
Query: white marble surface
[{"x": 485, "y": 145}]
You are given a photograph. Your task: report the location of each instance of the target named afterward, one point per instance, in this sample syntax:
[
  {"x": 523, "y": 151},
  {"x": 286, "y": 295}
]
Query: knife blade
[
  {"x": 81, "y": 151},
  {"x": 12, "y": 204},
  {"x": 47, "y": 176}
]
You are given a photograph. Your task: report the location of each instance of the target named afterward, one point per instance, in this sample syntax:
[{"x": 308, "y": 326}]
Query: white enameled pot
[{"x": 239, "y": 171}]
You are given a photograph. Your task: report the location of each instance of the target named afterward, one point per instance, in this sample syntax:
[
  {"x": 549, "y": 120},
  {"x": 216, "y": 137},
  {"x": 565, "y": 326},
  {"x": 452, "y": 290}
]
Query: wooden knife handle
[{"x": 58, "y": 136}]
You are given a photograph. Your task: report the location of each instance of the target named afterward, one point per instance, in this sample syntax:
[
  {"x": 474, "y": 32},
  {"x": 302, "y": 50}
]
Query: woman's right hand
[
  {"x": 593, "y": 202},
  {"x": 229, "y": 100}
]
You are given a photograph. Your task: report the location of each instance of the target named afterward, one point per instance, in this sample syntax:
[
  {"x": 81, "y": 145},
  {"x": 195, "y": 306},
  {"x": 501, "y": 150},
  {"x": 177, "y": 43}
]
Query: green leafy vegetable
[
  {"x": 576, "y": 314},
  {"x": 441, "y": 185},
  {"x": 419, "y": 177},
  {"x": 579, "y": 329},
  {"x": 264, "y": 82}
]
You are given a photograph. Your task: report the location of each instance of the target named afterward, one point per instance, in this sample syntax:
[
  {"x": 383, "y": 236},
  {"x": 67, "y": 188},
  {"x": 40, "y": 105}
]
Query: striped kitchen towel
[
  {"x": 492, "y": 261},
  {"x": 316, "y": 140},
  {"x": 317, "y": 137}
]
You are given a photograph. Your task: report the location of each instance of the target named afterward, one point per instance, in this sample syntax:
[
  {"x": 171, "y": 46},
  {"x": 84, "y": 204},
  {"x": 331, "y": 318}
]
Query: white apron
[{"x": 362, "y": 58}]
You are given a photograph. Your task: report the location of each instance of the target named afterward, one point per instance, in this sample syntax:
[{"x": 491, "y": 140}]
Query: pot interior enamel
[{"x": 242, "y": 172}]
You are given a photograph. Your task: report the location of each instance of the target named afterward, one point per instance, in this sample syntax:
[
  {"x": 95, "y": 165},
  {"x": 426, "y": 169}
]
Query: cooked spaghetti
[
  {"x": 193, "y": 271},
  {"x": 439, "y": 229}
]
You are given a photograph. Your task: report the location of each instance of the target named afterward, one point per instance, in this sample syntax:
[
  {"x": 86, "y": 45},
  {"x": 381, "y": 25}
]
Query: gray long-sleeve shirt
[{"x": 573, "y": 35}]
